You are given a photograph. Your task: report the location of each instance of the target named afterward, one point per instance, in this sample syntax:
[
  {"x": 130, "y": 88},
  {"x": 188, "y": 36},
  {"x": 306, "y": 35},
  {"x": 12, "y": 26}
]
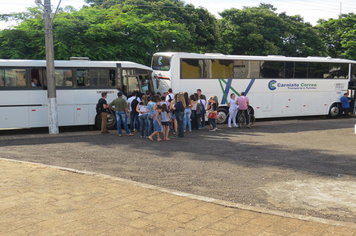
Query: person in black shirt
[
  {"x": 103, "y": 111},
  {"x": 179, "y": 107}
]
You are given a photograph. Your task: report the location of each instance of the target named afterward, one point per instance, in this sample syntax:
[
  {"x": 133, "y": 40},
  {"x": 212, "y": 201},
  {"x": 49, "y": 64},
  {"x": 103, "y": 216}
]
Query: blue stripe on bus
[
  {"x": 226, "y": 92},
  {"x": 249, "y": 86}
]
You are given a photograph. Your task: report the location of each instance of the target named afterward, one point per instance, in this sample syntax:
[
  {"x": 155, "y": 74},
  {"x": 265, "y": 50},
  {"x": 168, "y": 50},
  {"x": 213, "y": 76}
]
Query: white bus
[
  {"x": 277, "y": 86},
  {"x": 79, "y": 83}
]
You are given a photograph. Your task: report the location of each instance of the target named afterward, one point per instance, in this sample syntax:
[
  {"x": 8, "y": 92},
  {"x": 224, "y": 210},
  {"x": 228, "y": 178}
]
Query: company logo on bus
[{"x": 272, "y": 85}]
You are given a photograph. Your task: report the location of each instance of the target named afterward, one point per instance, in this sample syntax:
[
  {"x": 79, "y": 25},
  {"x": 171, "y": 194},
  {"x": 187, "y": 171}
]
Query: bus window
[
  {"x": 318, "y": 70},
  {"x": 289, "y": 69},
  {"x": 144, "y": 81},
  {"x": 353, "y": 72},
  {"x": 241, "y": 69},
  {"x": 132, "y": 84},
  {"x": 191, "y": 68},
  {"x": 82, "y": 77},
  {"x": 221, "y": 69},
  {"x": 36, "y": 78},
  {"x": 64, "y": 77},
  {"x": 254, "y": 70},
  {"x": 272, "y": 69},
  {"x": 112, "y": 78},
  {"x": 99, "y": 77},
  {"x": 161, "y": 63},
  {"x": 301, "y": 70},
  {"x": 338, "y": 71},
  {"x": 13, "y": 78}
]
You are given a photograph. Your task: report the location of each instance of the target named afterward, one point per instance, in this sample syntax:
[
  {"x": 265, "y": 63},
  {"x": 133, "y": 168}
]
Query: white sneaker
[
  {"x": 235, "y": 126},
  {"x": 212, "y": 129},
  {"x": 229, "y": 126}
]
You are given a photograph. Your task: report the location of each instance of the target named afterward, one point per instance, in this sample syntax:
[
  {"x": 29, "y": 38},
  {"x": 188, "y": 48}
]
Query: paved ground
[
  {"x": 305, "y": 166},
  {"x": 39, "y": 200}
]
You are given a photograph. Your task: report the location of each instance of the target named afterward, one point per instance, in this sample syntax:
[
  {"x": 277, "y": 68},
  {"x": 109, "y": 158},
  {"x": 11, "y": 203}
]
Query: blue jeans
[
  {"x": 186, "y": 119},
  {"x": 134, "y": 124},
  {"x": 149, "y": 125},
  {"x": 121, "y": 119},
  {"x": 143, "y": 125},
  {"x": 212, "y": 122},
  {"x": 180, "y": 116}
]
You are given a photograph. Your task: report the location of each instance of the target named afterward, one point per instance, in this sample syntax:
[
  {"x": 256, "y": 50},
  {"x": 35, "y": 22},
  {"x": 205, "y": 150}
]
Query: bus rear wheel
[
  {"x": 335, "y": 110},
  {"x": 222, "y": 115},
  {"x": 111, "y": 121}
]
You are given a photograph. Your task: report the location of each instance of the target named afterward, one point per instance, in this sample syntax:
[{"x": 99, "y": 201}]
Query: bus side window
[
  {"x": 36, "y": 78},
  {"x": 82, "y": 77},
  {"x": 99, "y": 78},
  {"x": 191, "y": 69},
  {"x": 2, "y": 78},
  {"x": 64, "y": 77},
  {"x": 13, "y": 78},
  {"x": 112, "y": 78}
]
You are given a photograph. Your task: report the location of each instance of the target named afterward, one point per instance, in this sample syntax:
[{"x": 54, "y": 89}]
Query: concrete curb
[{"x": 197, "y": 197}]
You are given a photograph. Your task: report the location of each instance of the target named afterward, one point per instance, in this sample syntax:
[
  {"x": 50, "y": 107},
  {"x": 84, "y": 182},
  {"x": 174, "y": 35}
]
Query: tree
[
  {"x": 339, "y": 36},
  {"x": 261, "y": 31}
]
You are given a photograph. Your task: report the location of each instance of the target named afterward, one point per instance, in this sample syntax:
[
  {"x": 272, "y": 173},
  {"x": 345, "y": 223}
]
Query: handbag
[{"x": 212, "y": 115}]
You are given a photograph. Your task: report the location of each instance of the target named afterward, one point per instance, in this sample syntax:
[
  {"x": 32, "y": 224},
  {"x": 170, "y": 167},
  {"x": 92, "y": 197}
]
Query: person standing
[
  {"x": 151, "y": 113},
  {"x": 102, "y": 110},
  {"x": 121, "y": 107},
  {"x": 345, "y": 104},
  {"x": 232, "y": 110},
  {"x": 243, "y": 102},
  {"x": 170, "y": 96},
  {"x": 212, "y": 112},
  {"x": 133, "y": 101},
  {"x": 195, "y": 118},
  {"x": 202, "y": 101},
  {"x": 179, "y": 107},
  {"x": 187, "y": 124},
  {"x": 165, "y": 118},
  {"x": 142, "y": 116},
  {"x": 157, "y": 124}
]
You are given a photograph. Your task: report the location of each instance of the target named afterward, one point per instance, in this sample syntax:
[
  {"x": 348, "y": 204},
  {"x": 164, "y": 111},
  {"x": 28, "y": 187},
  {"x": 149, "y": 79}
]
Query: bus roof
[
  {"x": 72, "y": 63},
  {"x": 254, "y": 58}
]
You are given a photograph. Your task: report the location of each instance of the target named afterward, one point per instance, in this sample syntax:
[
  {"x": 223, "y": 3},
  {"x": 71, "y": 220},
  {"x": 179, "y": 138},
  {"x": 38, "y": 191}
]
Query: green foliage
[
  {"x": 261, "y": 31},
  {"x": 339, "y": 36},
  {"x": 136, "y": 29}
]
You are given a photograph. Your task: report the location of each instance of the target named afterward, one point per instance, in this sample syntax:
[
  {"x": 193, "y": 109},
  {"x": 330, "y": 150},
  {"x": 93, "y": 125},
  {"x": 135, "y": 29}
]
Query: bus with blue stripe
[{"x": 277, "y": 86}]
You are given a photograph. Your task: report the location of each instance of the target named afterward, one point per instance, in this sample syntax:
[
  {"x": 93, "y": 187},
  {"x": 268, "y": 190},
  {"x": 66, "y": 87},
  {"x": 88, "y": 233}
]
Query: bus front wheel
[
  {"x": 222, "y": 115},
  {"x": 111, "y": 121},
  {"x": 335, "y": 110}
]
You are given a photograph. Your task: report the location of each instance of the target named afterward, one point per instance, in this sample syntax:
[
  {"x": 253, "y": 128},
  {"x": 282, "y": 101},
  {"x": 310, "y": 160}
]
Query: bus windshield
[{"x": 162, "y": 63}]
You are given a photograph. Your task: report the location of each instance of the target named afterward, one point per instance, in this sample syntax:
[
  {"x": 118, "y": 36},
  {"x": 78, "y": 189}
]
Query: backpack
[
  {"x": 134, "y": 104},
  {"x": 199, "y": 109},
  {"x": 170, "y": 98},
  {"x": 98, "y": 108}
]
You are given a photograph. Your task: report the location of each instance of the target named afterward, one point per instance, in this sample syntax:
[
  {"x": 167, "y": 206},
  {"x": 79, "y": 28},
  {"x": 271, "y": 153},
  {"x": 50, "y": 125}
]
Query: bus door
[{"x": 136, "y": 80}]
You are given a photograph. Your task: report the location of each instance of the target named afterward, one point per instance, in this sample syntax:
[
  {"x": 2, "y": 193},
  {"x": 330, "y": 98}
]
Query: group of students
[{"x": 153, "y": 115}]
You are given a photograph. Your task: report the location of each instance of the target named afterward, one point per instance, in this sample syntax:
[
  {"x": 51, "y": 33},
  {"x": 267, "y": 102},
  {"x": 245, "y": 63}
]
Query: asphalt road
[{"x": 305, "y": 166}]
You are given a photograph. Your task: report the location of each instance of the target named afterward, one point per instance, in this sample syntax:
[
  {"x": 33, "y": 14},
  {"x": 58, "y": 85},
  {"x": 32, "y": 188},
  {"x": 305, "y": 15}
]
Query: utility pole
[{"x": 51, "y": 83}]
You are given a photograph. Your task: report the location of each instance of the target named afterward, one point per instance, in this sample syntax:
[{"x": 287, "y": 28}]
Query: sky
[{"x": 310, "y": 10}]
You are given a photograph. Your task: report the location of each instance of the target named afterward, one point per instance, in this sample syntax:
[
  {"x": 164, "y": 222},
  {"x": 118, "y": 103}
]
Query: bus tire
[
  {"x": 335, "y": 110},
  {"x": 223, "y": 114},
  {"x": 111, "y": 123}
]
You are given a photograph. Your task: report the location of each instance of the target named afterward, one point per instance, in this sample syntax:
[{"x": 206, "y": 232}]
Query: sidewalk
[{"x": 40, "y": 200}]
